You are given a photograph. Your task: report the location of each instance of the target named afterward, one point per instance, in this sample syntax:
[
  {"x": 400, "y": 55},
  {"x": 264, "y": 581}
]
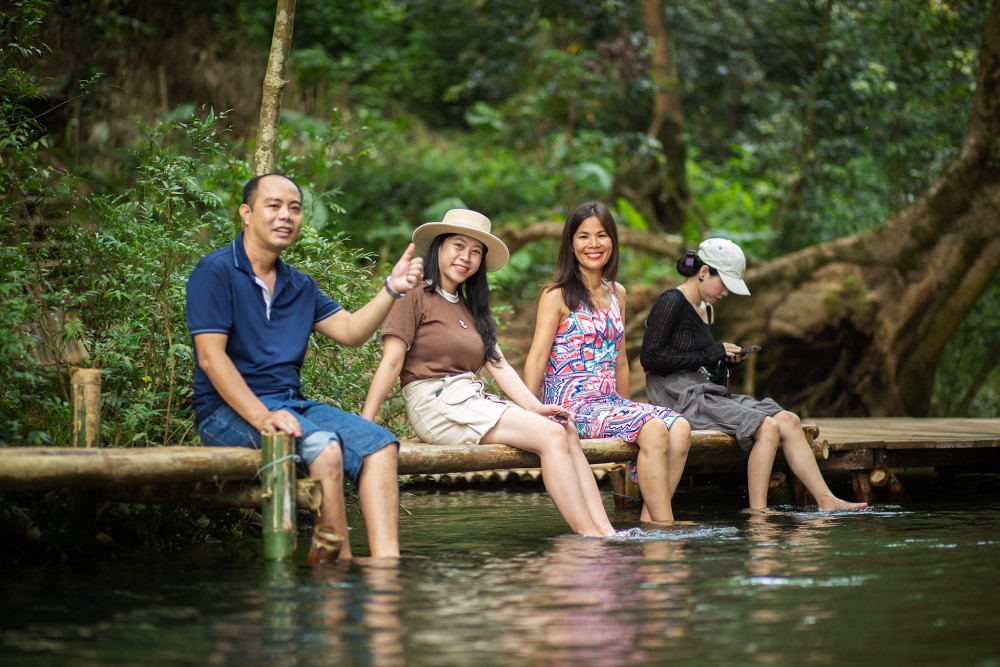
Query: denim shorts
[{"x": 321, "y": 424}]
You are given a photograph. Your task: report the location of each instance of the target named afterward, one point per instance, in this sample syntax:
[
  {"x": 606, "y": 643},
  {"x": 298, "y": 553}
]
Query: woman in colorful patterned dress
[
  {"x": 436, "y": 339},
  {"x": 577, "y": 347}
]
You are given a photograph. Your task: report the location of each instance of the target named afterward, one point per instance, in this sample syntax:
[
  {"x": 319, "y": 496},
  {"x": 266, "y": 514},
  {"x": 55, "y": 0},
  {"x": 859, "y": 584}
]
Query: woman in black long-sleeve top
[{"x": 686, "y": 370}]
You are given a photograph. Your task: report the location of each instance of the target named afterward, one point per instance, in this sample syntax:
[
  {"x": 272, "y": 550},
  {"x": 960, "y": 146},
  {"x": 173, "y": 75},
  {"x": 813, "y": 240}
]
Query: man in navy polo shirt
[{"x": 250, "y": 317}]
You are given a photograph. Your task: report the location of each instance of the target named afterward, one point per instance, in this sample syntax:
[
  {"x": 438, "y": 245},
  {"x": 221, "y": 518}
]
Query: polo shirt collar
[{"x": 242, "y": 263}]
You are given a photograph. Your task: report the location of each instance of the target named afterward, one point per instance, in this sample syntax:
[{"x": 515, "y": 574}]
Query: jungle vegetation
[{"x": 850, "y": 147}]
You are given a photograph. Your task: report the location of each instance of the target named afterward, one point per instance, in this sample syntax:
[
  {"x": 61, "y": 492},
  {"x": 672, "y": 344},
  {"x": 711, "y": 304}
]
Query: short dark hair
[{"x": 250, "y": 189}]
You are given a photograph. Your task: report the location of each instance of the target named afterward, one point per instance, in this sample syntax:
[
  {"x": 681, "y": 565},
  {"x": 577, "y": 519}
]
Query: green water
[{"x": 492, "y": 578}]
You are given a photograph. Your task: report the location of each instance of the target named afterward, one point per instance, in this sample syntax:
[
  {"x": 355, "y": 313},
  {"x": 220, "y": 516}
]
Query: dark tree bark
[{"x": 274, "y": 84}]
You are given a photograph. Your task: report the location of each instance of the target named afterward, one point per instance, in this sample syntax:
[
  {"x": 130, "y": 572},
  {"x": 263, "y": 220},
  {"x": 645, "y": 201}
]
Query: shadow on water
[{"x": 493, "y": 578}]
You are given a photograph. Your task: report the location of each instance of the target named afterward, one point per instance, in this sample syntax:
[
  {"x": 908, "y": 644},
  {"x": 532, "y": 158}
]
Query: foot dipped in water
[{"x": 835, "y": 504}]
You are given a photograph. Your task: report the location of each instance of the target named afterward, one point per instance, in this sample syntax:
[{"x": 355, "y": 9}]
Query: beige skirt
[{"x": 452, "y": 410}]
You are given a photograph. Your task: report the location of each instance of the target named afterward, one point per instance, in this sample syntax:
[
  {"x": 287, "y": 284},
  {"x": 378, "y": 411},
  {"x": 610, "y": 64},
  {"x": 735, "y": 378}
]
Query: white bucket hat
[
  {"x": 467, "y": 223},
  {"x": 726, "y": 257}
]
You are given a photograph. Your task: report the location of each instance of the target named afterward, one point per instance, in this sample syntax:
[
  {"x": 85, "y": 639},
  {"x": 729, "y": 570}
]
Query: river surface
[{"x": 492, "y": 578}]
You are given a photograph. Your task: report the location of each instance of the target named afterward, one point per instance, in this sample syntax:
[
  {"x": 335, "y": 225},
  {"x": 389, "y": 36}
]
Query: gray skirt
[{"x": 704, "y": 404}]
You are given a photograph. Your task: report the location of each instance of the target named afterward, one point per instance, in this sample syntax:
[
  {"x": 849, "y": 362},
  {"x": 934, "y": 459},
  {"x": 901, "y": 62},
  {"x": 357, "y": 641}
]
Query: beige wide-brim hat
[{"x": 467, "y": 223}]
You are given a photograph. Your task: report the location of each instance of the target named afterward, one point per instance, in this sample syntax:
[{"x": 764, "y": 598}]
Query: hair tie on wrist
[{"x": 393, "y": 293}]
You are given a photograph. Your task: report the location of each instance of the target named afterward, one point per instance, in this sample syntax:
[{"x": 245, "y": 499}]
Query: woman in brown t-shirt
[{"x": 436, "y": 339}]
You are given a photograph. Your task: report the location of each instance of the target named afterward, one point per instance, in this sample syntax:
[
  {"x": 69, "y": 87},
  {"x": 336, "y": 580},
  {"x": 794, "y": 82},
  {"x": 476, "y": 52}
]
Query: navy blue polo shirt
[{"x": 267, "y": 345}]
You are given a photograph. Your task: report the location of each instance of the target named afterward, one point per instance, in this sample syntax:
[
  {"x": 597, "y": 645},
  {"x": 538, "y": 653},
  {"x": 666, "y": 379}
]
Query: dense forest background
[{"x": 804, "y": 129}]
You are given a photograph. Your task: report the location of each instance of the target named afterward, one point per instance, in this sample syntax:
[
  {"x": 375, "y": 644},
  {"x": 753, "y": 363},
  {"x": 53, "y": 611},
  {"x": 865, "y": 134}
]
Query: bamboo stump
[
  {"x": 326, "y": 544},
  {"x": 277, "y": 474}
]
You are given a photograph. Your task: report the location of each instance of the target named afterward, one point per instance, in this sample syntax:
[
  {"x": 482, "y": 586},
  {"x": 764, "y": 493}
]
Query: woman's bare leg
[
  {"x": 678, "y": 444},
  {"x": 534, "y": 433},
  {"x": 802, "y": 461},
  {"x": 588, "y": 484},
  {"x": 652, "y": 467},
  {"x": 766, "y": 440}
]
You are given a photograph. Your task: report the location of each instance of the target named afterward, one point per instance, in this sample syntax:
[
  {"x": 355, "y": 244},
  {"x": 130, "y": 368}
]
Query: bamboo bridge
[{"x": 875, "y": 452}]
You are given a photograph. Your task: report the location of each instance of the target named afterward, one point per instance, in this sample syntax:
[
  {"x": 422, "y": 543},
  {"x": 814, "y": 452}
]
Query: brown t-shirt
[{"x": 441, "y": 336}]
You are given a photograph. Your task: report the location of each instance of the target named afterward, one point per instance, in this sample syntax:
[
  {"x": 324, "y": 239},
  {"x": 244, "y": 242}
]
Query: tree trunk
[
  {"x": 656, "y": 183},
  {"x": 274, "y": 84},
  {"x": 857, "y": 326}
]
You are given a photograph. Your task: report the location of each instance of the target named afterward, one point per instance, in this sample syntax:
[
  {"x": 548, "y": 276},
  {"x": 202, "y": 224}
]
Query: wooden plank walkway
[
  {"x": 876, "y": 451},
  {"x": 856, "y": 444}
]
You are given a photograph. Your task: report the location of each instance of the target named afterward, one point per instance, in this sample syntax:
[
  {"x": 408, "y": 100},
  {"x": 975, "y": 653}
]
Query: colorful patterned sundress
[{"x": 581, "y": 376}]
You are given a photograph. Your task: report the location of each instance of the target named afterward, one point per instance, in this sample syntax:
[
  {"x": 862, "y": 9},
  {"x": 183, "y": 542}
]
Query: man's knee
[
  {"x": 329, "y": 463},
  {"x": 388, "y": 455}
]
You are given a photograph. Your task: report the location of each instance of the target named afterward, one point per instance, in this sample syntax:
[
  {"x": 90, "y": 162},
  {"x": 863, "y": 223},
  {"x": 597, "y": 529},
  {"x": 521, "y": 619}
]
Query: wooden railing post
[{"x": 277, "y": 475}]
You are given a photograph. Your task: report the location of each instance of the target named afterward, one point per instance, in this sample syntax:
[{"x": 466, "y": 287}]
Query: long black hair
[
  {"x": 568, "y": 276},
  {"x": 473, "y": 292}
]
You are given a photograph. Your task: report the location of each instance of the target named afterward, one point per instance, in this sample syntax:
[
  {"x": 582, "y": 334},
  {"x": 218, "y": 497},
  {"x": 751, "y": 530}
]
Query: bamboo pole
[
  {"x": 85, "y": 384},
  {"x": 707, "y": 447},
  {"x": 100, "y": 467},
  {"x": 86, "y": 389},
  {"x": 278, "y": 500},
  {"x": 97, "y": 467}
]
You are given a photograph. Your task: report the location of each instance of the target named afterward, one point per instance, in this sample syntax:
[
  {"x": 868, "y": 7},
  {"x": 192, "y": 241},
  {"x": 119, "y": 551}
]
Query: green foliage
[
  {"x": 849, "y": 115},
  {"x": 126, "y": 267},
  {"x": 332, "y": 373},
  {"x": 116, "y": 278},
  {"x": 805, "y": 122},
  {"x": 387, "y": 194},
  {"x": 27, "y": 188}
]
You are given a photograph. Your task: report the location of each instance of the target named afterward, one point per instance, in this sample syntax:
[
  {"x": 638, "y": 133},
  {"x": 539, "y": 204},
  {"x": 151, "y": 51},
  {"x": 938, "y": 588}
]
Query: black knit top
[{"x": 676, "y": 337}]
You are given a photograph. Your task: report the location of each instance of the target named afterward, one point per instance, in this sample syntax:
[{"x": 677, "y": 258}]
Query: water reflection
[
  {"x": 592, "y": 601},
  {"x": 486, "y": 582}
]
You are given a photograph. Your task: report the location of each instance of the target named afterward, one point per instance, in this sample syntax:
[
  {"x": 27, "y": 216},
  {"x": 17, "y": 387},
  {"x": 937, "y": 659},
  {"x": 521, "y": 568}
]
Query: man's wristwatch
[{"x": 393, "y": 293}]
